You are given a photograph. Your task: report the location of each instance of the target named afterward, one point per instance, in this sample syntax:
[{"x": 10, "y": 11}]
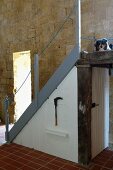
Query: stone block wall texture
[
  {"x": 97, "y": 21},
  {"x": 30, "y": 25}
]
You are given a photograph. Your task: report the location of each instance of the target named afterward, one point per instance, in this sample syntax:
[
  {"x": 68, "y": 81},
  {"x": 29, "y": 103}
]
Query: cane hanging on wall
[{"x": 56, "y": 104}]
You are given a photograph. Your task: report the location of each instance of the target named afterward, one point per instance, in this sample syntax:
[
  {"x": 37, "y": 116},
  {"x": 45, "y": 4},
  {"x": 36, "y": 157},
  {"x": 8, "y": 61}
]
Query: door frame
[
  {"x": 26, "y": 65},
  {"x": 84, "y": 114}
]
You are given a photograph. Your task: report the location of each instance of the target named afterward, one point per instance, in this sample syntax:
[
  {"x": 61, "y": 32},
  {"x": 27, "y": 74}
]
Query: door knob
[{"x": 94, "y": 105}]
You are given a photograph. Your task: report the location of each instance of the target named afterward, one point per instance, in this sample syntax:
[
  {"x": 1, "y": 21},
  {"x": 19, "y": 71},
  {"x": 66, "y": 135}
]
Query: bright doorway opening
[{"x": 22, "y": 82}]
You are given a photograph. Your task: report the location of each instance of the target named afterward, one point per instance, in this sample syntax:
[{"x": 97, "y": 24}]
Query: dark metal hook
[{"x": 56, "y": 103}]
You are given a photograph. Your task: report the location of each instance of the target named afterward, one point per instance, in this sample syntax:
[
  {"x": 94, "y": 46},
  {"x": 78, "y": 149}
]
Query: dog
[{"x": 102, "y": 45}]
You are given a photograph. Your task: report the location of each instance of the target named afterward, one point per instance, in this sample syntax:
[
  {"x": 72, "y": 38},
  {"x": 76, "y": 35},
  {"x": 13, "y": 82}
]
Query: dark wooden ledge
[{"x": 96, "y": 58}]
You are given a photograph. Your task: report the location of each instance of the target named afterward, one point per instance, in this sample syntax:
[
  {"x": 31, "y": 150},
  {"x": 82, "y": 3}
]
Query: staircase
[{"x": 45, "y": 92}]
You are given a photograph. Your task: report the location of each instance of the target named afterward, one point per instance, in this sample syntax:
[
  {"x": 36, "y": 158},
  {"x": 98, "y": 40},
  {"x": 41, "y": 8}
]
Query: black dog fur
[{"x": 102, "y": 45}]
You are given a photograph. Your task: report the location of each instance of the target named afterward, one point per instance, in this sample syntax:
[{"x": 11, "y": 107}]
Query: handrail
[{"x": 46, "y": 91}]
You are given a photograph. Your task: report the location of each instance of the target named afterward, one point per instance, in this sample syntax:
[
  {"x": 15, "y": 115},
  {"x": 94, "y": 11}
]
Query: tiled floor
[{"x": 13, "y": 157}]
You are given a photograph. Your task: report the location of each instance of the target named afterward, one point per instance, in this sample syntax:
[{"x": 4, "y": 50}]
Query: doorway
[
  {"x": 22, "y": 82},
  {"x": 100, "y": 113}
]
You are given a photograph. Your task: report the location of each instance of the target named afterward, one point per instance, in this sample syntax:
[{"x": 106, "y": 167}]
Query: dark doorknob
[{"x": 94, "y": 105}]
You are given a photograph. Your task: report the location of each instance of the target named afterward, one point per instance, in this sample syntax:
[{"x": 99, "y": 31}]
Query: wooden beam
[
  {"x": 102, "y": 65},
  {"x": 101, "y": 57},
  {"x": 84, "y": 114}
]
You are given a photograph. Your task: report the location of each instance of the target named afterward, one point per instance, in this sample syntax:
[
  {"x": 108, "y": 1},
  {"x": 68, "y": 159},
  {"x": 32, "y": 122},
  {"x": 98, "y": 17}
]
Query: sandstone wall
[
  {"x": 97, "y": 21},
  {"x": 30, "y": 25}
]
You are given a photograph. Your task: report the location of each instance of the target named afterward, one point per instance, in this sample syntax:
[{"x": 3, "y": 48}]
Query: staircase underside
[
  {"x": 96, "y": 59},
  {"x": 99, "y": 59},
  {"x": 44, "y": 94}
]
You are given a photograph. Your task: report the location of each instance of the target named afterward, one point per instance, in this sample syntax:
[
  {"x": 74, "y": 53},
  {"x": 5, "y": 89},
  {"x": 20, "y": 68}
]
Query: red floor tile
[
  {"x": 47, "y": 158},
  {"x": 14, "y": 157},
  {"x": 9, "y": 167},
  {"x": 22, "y": 160},
  {"x": 39, "y": 161},
  {"x": 104, "y": 169},
  {"x": 58, "y": 163},
  {"x": 96, "y": 167},
  {"x": 70, "y": 167},
  {"x": 44, "y": 168},
  {"x": 2, "y": 164},
  {"x": 109, "y": 164},
  {"x": 52, "y": 166},
  {"x": 26, "y": 168},
  {"x": 34, "y": 165}
]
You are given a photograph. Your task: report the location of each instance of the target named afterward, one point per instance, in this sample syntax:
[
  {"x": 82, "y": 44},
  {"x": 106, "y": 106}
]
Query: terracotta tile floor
[{"x": 13, "y": 157}]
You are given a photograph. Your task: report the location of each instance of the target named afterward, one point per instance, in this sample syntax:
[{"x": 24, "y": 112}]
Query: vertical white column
[
  {"x": 106, "y": 107},
  {"x": 78, "y": 24}
]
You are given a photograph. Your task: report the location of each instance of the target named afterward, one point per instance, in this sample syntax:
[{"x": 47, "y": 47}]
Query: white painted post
[{"x": 78, "y": 24}]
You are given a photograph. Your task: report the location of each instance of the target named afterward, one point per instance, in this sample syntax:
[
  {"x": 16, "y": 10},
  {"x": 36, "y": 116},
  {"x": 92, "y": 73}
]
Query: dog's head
[{"x": 102, "y": 45}]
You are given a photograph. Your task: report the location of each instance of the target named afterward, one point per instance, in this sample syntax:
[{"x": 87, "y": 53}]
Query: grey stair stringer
[{"x": 46, "y": 91}]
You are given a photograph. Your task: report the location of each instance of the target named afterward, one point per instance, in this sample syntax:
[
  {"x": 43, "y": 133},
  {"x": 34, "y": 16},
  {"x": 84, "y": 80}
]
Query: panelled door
[{"x": 100, "y": 113}]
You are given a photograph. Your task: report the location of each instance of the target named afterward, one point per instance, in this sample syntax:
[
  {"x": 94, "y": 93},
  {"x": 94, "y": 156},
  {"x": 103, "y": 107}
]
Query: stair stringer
[{"x": 46, "y": 91}]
